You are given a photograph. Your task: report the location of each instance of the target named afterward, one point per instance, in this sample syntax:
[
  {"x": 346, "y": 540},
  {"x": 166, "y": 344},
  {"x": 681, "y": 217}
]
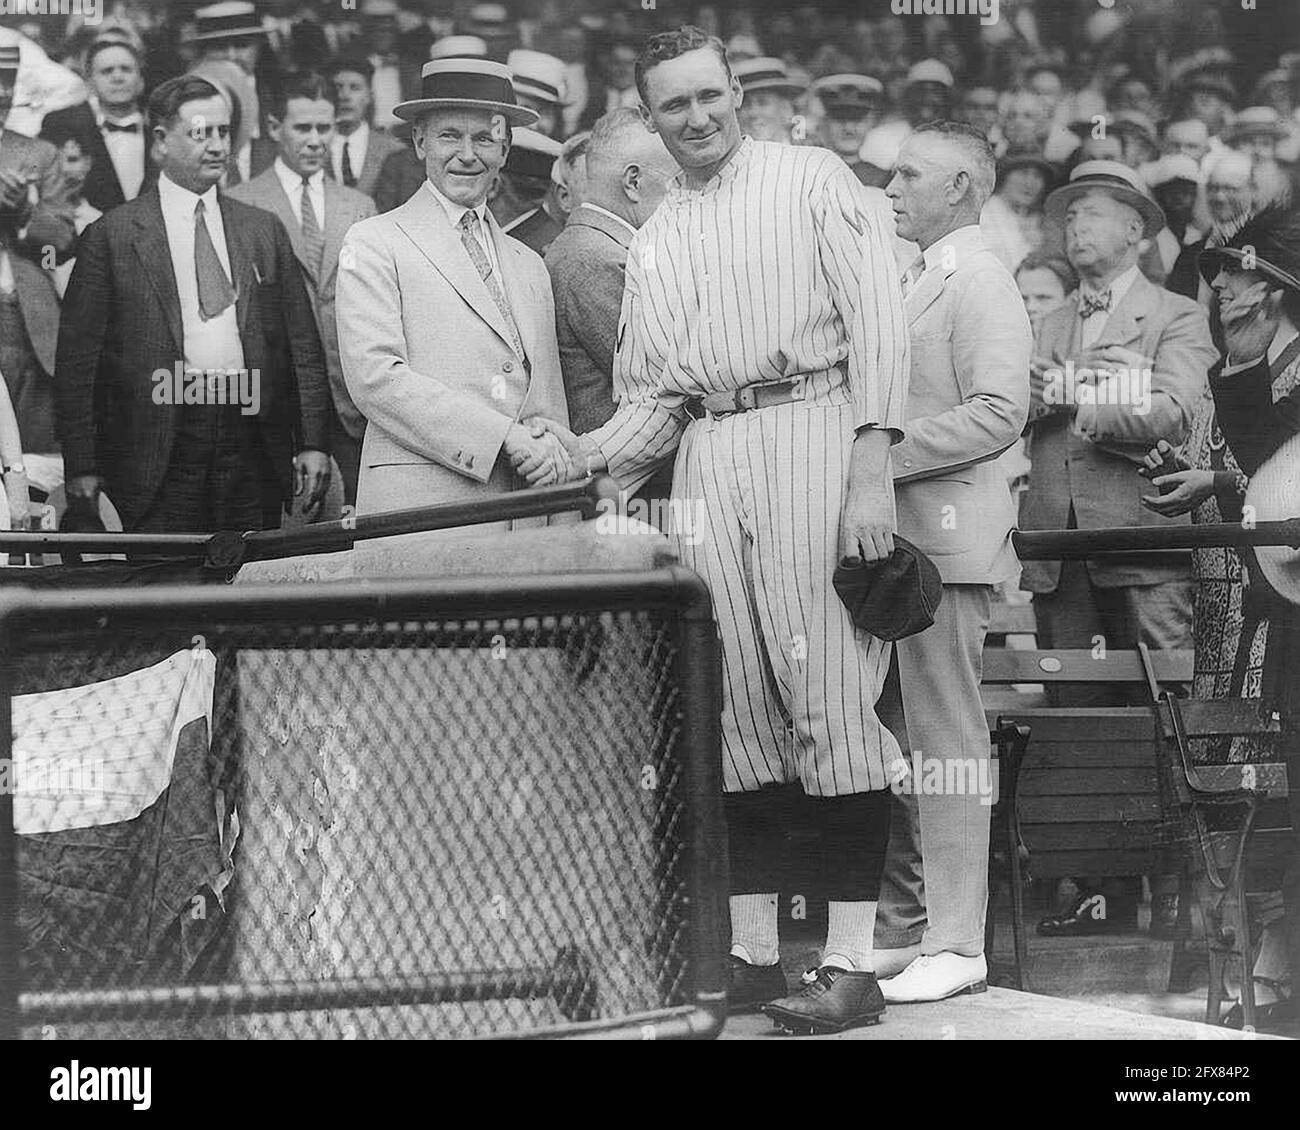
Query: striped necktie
[
  {"x": 469, "y": 226},
  {"x": 313, "y": 239}
]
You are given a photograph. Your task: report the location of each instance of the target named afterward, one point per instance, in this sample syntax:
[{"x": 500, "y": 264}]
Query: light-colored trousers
[{"x": 935, "y": 888}]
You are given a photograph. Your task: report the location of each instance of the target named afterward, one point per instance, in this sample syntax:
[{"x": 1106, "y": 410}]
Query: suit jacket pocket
[{"x": 940, "y": 515}]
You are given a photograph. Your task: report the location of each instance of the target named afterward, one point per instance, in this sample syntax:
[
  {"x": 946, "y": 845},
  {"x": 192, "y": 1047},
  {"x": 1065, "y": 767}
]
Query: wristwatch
[{"x": 17, "y": 467}]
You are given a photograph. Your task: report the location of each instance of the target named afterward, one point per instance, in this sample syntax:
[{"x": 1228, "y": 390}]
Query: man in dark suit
[
  {"x": 628, "y": 169},
  {"x": 109, "y": 127},
  {"x": 190, "y": 380},
  {"x": 316, "y": 212},
  {"x": 358, "y": 151}
]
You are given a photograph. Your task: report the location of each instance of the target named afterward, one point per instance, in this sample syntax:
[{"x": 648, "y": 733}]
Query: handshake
[{"x": 545, "y": 453}]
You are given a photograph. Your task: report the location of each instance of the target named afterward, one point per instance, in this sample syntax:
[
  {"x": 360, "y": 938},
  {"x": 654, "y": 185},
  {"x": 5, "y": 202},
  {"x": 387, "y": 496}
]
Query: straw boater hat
[
  {"x": 766, "y": 74},
  {"x": 474, "y": 84},
  {"x": 9, "y": 56},
  {"x": 849, "y": 96},
  {"x": 1115, "y": 178},
  {"x": 459, "y": 47},
  {"x": 538, "y": 75},
  {"x": 233, "y": 19},
  {"x": 532, "y": 154},
  {"x": 1257, "y": 121}
]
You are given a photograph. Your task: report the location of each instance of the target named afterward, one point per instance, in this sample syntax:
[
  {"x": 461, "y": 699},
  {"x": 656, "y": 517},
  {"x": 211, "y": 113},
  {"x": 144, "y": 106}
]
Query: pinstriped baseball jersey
[{"x": 783, "y": 263}]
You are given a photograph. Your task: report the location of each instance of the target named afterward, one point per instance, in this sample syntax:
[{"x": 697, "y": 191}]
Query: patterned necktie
[
  {"x": 1093, "y": 303},
  {"x": 313, "y": 239},
  {"x": 215, "y": 292},
  {"x": 469, "y": 225},
  {"x": 349, "y": 178}
]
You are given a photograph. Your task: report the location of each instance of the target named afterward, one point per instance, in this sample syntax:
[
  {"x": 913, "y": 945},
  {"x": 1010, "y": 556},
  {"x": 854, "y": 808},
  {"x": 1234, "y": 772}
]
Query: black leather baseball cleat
[
  {"x": 749, "y": 986},
  {"x": 831, "y": 1000}
]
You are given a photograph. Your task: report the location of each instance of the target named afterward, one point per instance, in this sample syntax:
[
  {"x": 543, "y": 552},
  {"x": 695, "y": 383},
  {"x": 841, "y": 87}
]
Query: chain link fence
[{"x": 398, "y": 809}]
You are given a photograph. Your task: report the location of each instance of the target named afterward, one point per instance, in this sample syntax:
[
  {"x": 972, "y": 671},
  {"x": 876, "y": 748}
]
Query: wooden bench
[{"x": 1079, "y": 791}]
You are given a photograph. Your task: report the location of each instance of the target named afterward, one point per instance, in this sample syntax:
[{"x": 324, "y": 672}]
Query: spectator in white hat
[
  {"x": 770, "y": 94},
  {"x": 1173, "y": 182},
  {"x": 540, "y": 85},
  {"x": 927, "y": 97},
  {"x": 522, "y": 187}
]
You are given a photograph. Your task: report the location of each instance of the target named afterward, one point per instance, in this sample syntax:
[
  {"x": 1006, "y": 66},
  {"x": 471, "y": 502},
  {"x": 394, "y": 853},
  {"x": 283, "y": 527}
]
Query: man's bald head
[{"x": 628, "y": 167}]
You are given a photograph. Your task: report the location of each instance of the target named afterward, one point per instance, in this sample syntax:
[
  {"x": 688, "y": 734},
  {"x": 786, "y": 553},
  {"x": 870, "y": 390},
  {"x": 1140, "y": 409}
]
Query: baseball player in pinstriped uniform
[{"x": 763, "y": 339}]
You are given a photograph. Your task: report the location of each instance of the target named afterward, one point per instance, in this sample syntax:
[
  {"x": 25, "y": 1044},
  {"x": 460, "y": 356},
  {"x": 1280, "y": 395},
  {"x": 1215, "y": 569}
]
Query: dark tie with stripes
[
  {"x": 313, "y": 239},
  {"x": 215, "y": 292}
]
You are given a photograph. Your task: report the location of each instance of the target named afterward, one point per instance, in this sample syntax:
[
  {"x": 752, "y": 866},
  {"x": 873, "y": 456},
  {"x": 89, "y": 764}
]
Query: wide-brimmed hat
[
  {"x": 1268, "y": 242},
  {"x": 931, "y": 70},
  {"x": 477, "y": 84},
  {"x": 1257, "y": 121},
  {"x": 231, "y": 19},
  {"x": 765, "y": 73},
  {"x": 538, "y": 75},
  {"x": 1171, "y": 167},
  {"x": 1134, "y": 121},
  {"x": 1119, "y": 181},
  {"x": 459, "y": 47},
  {"x": 1028, "y": 158},
  {"x": 532, "y": 154}
]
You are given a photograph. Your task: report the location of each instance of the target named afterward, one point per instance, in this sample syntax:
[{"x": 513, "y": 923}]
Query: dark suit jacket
[
  {"x": 536, "y": 230},
  {"x": 587, "y": 262},
  {"x": 122, "y": 322},
  {"x": 379, "y": 149},
  {"x": 102, "y": 188},
  {"x": 1253, "y": 424}
]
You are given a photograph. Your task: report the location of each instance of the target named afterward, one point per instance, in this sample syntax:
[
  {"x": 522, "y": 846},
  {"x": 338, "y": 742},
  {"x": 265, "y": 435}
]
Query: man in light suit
[
  {"x": 967, "y": 401},
  {"x": 1118, "y": 367},
  {"x": 316, "y": 212},
  {"x": 447, "y": 326}
]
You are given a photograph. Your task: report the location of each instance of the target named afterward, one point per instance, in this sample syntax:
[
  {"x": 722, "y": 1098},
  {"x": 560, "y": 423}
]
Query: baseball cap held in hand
[{"x": 894, "y": 598}]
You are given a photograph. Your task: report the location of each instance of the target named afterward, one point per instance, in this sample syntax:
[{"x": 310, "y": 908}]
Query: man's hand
[
  {"x": 1192, "y": 488},
  {"x": 1250, "y": 323},
  {"x": 1164, "y": 456},
  {"x": 584, "y": 456},
  {"x": 18, "y": 494},
  {"x": 1038, "y": 367},
  {"x": 13, "y": 190},
  {"x": 537, "y": 456},
  {"x": 867, "y": 518},
  {"x": 1113, "y": 357},
  {"x": 311, "y": 473}
]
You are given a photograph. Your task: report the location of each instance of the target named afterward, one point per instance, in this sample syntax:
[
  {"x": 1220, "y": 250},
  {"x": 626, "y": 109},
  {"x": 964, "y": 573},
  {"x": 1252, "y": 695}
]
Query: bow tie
[
  {"x": 1090, "y": 304},
  {"x": 113, "y": 127}
]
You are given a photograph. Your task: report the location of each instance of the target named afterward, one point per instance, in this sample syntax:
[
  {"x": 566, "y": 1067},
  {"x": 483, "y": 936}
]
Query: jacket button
[
  {"x": 508, "y": 367},
  {"x": 907, "y": 462}
]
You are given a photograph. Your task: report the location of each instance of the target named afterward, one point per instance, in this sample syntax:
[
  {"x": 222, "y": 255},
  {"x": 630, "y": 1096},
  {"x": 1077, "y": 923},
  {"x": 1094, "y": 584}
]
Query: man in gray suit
[
  {"x": 446, "y": 325},
  {"x": 1118, "y": 367},
  {"x": 316, "y": 212},
  {"x": 967, "y": 401}
]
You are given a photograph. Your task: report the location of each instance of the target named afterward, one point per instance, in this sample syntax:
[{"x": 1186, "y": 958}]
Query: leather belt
[{"x": 746, "y": 399}]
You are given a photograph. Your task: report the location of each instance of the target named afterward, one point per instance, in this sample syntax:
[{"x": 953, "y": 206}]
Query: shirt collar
[
  {"x": 1286, "y": 332},
  {"x": 292, "y": 181},
  {"x": 959, "y": 239},
  {"x": 455, "y": 212},
  {"x": 728, "y": 172},
  {"x": 359, "y": 134},
  {"x": 1118, "y": 288},
  {"x": 182, "y": 201},
  {"x": 608, "y": 214},
  {"x": 133, "y": 118}
]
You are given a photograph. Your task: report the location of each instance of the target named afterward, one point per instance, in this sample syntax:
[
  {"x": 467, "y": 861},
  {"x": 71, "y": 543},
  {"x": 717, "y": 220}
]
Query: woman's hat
[
  {"x": 1119, "y": 181},
  {"x": 1268, "y": 242},
  {"x": 476, "y": 84}
]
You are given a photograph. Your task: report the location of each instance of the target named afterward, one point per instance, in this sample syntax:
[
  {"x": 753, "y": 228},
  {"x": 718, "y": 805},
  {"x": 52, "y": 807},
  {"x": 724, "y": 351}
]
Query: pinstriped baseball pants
[{"x": 756, "y": 512}]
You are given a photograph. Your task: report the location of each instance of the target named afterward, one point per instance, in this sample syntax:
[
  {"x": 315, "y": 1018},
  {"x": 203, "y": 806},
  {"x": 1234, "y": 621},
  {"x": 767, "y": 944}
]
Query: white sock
[
  {"x": 754, "y": 935},
  {"x": 849, "y": 936}
]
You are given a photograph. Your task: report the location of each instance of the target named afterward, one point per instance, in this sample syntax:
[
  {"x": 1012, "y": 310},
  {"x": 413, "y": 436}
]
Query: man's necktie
[
  {"x": 349, "y": 178},
  {"x": 913, "y": 275},
  {"x": 215, "y": 292},
  {"x": 469, "y": 225},
  {"x": 114, "y": 127},
  {"x": 1090, "y": 303},
  {"x": 313, "y": 239}
]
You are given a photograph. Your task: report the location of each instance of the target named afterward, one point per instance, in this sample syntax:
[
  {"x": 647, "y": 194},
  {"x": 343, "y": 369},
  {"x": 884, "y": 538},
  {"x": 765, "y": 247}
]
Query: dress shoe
[
  {"x": 831, "y": 1000},
  {"x": 749, "y": 986},
  {"x": 892, "y": 962},
  {"x": 935, "y": 977},
  {"x": 1088, "y": 915}
]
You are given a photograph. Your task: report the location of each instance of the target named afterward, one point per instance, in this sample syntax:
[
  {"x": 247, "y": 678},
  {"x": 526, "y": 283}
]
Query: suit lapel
[
  {"x": 1125, "y": 321},
  {"x": 924, "y": 294},
  {"x": 424, "y": 223},
  {"x": 155, "y": 257},
  {"x": 336, "y": 227},
  {"x": 242, "y": 263}
]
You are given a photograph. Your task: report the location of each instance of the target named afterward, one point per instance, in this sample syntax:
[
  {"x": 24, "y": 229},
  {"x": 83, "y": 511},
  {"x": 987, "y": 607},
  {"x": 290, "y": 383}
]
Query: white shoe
[{"x": 935, "y": 977}]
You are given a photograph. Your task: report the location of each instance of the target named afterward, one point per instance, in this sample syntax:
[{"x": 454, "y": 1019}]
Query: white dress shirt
[
  {"x": 456, "y": 211},
  {"x": 125, "y": 150},
  {"x": 214, "y": 344},
  {"x": 292, "y": 183},
  {"x": 1096, "y": 321},
  {"x": 358, "y": 141},
  {"x": 83, "y": 216}
]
